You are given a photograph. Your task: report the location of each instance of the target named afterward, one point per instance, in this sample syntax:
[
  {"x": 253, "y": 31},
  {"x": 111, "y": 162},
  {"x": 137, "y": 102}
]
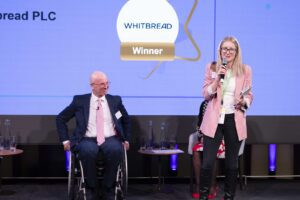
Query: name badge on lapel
[{"x": 118, "y": 115}]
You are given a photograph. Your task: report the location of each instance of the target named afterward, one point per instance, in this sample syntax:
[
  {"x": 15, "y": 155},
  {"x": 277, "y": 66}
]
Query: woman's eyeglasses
[{"x": 230, "y": 50}]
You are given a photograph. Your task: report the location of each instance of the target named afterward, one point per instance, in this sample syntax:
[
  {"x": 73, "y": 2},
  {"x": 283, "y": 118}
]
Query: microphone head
[
  {"x": 224, "y": 64},
  {"x": 222, "y": 76},
  {"x": 224, "y": 61}
]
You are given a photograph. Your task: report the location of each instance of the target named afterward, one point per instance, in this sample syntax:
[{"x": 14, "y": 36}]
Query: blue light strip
[
  {"x": 67, "y": 154},
  {"x": 173, "y": 160},
  {"x": 272, "y": 157}
]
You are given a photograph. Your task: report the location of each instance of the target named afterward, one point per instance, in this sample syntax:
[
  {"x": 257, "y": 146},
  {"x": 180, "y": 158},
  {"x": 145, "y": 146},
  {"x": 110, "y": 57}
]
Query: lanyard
[{"x": 225, "y": 84}]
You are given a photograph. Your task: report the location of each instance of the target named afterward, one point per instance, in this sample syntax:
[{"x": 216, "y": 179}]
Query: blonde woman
[{"x": 229, "y": 93}]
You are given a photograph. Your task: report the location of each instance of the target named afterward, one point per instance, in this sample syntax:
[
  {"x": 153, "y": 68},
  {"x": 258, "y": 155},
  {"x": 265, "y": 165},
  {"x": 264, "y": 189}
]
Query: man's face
[{"x": 100, "y": 86}]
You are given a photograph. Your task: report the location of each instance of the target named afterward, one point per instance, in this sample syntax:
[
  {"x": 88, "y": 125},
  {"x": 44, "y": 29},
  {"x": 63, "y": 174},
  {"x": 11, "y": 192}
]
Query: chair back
[
  {"x": 241, "y": 150},
  {"x": 193, "y": 139},
  {"x": 242, "y": 147}
]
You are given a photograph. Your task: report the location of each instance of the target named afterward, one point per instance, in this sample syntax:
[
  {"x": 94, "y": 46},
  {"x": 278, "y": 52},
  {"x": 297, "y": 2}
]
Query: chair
[
  {"x": 193, "y": 139},
  {"x": 76, "y": 182}
]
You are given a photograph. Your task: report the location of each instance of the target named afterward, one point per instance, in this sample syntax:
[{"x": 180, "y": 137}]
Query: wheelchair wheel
[
  {"x": 76, "y": 186},
  {"x": 122, "y": 179},
  {"x": 76, "y": 183}
]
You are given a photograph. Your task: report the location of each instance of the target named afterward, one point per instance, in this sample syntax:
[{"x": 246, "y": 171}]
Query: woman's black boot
[
  {"x": 205, "y": 181},
  {"x": 230, "y": 184}
]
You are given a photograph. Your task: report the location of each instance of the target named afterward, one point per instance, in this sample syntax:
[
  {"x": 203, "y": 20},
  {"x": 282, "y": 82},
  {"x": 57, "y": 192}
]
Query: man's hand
[
  {"x": 126, "y": 145},
  {"x": 67, "y": 146}
]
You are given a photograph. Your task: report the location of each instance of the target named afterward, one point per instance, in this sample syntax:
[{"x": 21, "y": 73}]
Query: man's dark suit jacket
[{"x": 80, "y": 107}]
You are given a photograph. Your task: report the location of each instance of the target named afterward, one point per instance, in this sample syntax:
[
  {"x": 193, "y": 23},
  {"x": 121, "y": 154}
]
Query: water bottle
[
  {"x": 1, "y": 139},
  {"x": 150, "y": 136},
  {"x": 163, "y": 135},
  {"x": 7, "y": 133}
]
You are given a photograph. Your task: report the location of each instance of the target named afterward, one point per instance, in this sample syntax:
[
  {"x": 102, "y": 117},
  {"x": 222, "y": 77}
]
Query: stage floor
[{"x": 260, "y": 189}]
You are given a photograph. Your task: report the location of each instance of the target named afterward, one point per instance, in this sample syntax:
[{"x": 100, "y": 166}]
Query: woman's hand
[
  {"x": 240, "y": 103},
  {"x": 221, "y": 72}
]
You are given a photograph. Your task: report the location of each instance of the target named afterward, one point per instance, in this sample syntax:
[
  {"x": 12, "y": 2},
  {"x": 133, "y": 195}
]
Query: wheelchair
[{"x": 76, "y": 182}]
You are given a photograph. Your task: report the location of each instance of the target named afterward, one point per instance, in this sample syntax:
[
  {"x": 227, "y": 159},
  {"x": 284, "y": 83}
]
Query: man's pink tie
[{"x": 100, "y": 124}]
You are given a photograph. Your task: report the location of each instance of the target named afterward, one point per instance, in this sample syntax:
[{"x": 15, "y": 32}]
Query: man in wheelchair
[{"x": 102, "y": 124}]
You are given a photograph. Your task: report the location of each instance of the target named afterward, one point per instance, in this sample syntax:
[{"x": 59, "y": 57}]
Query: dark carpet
[{"x": 261, "y": 189}]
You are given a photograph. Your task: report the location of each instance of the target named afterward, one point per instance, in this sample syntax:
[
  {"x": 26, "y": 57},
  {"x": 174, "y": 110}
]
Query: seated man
[{"x": 102, "y": 124}]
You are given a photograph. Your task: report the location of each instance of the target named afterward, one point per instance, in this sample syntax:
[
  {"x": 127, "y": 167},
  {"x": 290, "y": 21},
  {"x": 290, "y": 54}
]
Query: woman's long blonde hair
[{"x": 237, "y": 67}]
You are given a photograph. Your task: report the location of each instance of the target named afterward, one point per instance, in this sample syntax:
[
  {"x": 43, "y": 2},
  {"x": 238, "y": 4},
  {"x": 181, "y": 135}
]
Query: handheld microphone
[
  {"x": 97, "y": 108},
  {"x": 224, "y": 63}
]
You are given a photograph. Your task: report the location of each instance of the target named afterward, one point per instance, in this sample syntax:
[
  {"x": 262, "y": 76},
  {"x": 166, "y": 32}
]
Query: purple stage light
[
  {"x": 173, "y": 160},
  {"x": 67, "y": 154},
  {"x": 272, "y": 157}
]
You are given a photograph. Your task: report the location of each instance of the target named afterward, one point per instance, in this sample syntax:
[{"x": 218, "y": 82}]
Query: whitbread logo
[{"x": 147, "y": 30}]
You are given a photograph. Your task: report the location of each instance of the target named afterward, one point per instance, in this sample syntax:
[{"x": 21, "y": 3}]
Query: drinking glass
[
  {"x": 12, "y": 143},
  {"x": 1, "y": 143},
  {"x": 173, "y": 143},
  {"x": 143, "y": 144}
]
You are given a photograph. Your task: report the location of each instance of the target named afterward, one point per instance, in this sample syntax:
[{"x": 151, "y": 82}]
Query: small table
[
  {"x": 7, "y": 153},
  {"x": 160, "y": 153}
]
